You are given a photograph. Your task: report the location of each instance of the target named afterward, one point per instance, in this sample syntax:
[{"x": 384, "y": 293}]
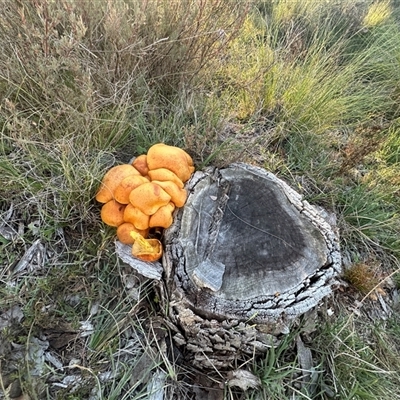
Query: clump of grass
[
  {"x": 290, "y": 69},
  {"x": 365, "y": 278},
  {"x": 367, "y": 219},
  {"x": 378, "y": 12},
  {"x": 277, "y": 370},
  {"x": 110, "y": 51},
  {"x": 355, "y": 359}
]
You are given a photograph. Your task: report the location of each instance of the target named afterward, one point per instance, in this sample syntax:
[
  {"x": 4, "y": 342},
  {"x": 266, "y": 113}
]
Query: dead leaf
[{"x": 243, "y": 379}]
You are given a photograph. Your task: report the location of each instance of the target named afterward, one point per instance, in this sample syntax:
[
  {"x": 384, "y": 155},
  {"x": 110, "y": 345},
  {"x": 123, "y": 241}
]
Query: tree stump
[{"x": 244, "y": 257}]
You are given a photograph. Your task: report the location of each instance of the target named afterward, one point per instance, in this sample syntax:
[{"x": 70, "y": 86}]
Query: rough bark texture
[{"x": 244, "y": 257}]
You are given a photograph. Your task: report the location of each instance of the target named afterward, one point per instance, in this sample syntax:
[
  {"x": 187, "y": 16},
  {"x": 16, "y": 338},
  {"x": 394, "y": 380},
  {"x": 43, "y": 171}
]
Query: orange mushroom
[
  {"x": 162, "y": 218},
  {"x": 178, "y": 196},
  {"x": 124, "y": 233},
  {"x": 149, "y": 197},
  {"x": 112, "y": 213},
  {"x": 136, "y": 217},
  {"x": 140, "y": 163},
  {"x": 112, "y": 179},
  {"x": 123, "y": 190},
  {"x": 189, "y": 161},
  {"x": 164, "y": 174},
  {"x": 173, "y": 158},
  {"x": 133, "y": 203},
  {"x": 146, "y": 249}
]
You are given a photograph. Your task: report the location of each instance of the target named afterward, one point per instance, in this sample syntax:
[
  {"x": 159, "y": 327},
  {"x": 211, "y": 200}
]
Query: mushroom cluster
[{"x": 143, "y": 195}]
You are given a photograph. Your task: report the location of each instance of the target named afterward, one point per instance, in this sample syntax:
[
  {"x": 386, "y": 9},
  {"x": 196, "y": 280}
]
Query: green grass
[
  {"x": 355, "y": 368},
  {"x": 306, "y": 89}
]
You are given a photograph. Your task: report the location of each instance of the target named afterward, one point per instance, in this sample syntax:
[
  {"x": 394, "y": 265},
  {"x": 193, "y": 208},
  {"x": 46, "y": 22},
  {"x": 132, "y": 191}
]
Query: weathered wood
[
  {"x": 152, "y": 270},
  {"x": 243, "y": 258}
]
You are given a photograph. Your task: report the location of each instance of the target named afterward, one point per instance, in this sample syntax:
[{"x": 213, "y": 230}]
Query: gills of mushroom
[
  {"x": 124, "y": 233},
  {"x": 146, "y": 249}
]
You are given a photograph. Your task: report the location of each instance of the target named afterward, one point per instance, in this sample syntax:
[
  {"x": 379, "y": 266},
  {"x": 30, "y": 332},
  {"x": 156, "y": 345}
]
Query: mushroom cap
[
  {"x": 190, "y": 163},
  {"x": 112, "y": 179},
  {"x": 124, "y": 233},
  {"x": 178, "y": 196},
  {"x": 140, "y": 163},
  {"x": 149, "y": 197},
  {"x": 146, "y": 249},
  {"x": 189, "y": 160},
  {"x": 164, "y": 174},
  {"x": 123, "y": 190},
  {"x": 162, "y": 218},
  {"x": 173, "y": 158},
  {"x": 112, "y": 213},
  {"x": 136, "y": 217}
]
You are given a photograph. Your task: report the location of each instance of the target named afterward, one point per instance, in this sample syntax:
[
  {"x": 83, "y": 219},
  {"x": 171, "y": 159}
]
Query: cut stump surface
[{"x": 246, "y": 246}]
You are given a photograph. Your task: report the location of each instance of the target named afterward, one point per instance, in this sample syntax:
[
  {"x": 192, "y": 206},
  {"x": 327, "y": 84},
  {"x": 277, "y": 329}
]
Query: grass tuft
[
  {"x": 356, "y": 368},
  {"x": 378, "y": 13},
  {"x": 365, "y": 278}
]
